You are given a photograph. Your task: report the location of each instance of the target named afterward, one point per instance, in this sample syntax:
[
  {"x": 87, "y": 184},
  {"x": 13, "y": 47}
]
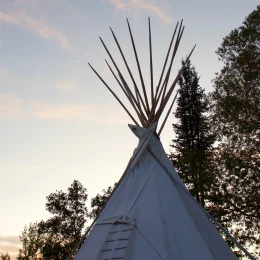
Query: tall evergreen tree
[{"x": 192, "y": 146}]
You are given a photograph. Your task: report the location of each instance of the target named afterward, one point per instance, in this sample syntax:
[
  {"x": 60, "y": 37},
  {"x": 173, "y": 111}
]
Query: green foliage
[
  {"x": 193, "y": 140},
  {"x": 5, "y": 257},
  {"x": 64, "y": 229},
  {"x": 236, "y": 94},
  {"x": 54, "y": 238},
  {"x": 32, "y": 242},
  {"x": 236, "y": 117},
  {"x": 98, "y": 202}
]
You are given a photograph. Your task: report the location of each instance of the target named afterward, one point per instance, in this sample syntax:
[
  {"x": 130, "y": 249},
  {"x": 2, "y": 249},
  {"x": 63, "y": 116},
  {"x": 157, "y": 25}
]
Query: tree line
[
  {"x": 215, "y": 150},
  {"x": 217, "y": 135},
  {"x": 56, "y": 237}
]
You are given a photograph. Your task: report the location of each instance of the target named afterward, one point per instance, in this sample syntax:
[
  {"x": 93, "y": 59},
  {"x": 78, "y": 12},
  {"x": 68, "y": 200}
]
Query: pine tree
[{"x": 193, "y": 140}]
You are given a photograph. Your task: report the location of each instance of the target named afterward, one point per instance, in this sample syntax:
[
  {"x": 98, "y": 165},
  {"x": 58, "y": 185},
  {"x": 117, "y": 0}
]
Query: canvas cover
[{"x": 151, "y": 215}]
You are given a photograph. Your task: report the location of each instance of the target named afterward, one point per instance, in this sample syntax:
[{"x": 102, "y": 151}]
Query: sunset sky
[{"x": 57, "y": 121}]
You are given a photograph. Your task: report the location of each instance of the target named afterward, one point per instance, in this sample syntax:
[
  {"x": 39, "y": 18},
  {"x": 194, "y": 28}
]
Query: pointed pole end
[{"x": 112, "y": 31}]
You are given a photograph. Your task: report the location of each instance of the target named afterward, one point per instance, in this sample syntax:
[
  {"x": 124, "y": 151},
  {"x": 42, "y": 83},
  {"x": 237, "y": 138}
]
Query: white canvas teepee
[{"x": 150, "y": 214}]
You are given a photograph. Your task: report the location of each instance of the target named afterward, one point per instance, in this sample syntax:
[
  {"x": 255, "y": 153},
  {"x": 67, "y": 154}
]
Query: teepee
[{"x": 151, "y": 215}]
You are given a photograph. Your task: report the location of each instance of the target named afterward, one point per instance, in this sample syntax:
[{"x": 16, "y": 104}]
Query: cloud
[
  {"x": 10, "y": 106},
  {"x": 119, "y": 4},
  {"x": 10, "y": 244},
  {"x": 4, "y": 72},
  {"x": 10, "y": 240},
  {"x": 81, "y": 112},
  {"x": 13, "y": 107},
  {"x": 131, "y": 5},
  {"x": 39, "y": 27},
  {"x": 115, "y": 118},
  {"x": 66, "y": 86},
  {"x": 63, "y": 112}
]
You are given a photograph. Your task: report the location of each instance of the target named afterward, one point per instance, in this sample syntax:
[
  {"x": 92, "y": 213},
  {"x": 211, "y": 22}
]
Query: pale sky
[{"x": 57, "y": 121}]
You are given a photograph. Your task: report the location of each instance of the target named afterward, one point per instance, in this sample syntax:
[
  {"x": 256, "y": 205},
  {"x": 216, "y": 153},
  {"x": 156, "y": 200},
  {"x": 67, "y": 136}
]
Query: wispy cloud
[
  {"x": 4, "y": 72},
  {"x": 10, "y": 239},
  {"x": 10, "y": 244},
  {"x": 10, "y": 106},
  {"x": 13, "y": 107},
  {"x": 146, "y": 5},
  {"x": 119, "y": 4},
  {"x": 62, "y": 112},
  {"x": 66, "y": 86},
  {"x": 39, "y": 27},
  {"x": 80, "y": 112}
]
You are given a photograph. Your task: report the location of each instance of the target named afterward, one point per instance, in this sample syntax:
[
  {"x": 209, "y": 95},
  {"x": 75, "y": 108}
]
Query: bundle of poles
[{"x": 147, "y": 112}]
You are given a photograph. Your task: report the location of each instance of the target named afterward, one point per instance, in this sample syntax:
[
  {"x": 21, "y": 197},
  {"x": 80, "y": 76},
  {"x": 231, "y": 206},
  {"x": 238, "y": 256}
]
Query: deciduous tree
[
  {"x": 98, "y": 202},
  {"x": 32, "y": 243},
  {"x": 236, "y": 117},
  {"x": 63, "y": 231}
]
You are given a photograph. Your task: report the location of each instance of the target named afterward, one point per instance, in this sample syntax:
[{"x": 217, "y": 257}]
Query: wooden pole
[
  {"x": 138, "y": 95},
  {"x": 125, "y": 85},
  {"x": 151, "y": 63},
  {"x": 118, "y": 69},
  {"x": 164, "y": 66},
  {"x": 164, "y": 86},
  {"x": 142, "y": 120},
  {"x": 169, "y": 70},
  {"x": 170, "y": 67},
  {"x": 165, "y": 82},
  {"x": 112, "y": 92},
  {"x": 166, "y": 59},
  {"x": 167, "y": 115},
  {"x": 162, "y": 106},
  {"x": 139, "y": 68}
]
